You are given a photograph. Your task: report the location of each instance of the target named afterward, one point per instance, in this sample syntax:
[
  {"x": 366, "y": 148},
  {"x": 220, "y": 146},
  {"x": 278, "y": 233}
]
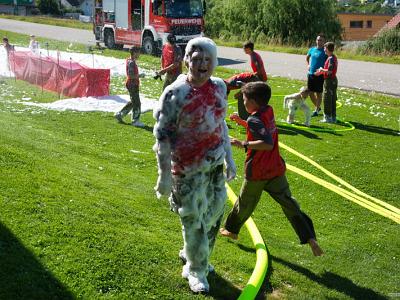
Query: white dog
[{"x": 296, "y": 101}]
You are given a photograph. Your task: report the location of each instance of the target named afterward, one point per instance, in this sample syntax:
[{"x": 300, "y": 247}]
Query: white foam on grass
[{"x": 111, "y": 103}]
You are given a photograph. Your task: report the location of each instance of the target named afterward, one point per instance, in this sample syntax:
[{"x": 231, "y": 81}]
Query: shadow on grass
[
  {"x": 334, "y": 282},
  {"x": 220, "y": 288},
  {"x": 375, "y": 129},
  {"x": 246, "y": 248},
  {"x": 147, "y": 128},
  {"x": 227, "y": 62},
  {"x": 22, "y": 276},
  {"x": 296, "y": 131}
]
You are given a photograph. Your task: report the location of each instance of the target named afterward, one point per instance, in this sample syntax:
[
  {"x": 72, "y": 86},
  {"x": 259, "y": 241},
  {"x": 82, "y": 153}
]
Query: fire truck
[{"x": 147, "y": 23}]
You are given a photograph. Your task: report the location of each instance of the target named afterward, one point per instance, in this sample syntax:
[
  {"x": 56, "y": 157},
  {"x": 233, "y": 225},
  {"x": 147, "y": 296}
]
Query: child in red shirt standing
[
  {"x": 171, "y": 61},
  {"x": 265, "y": 169},
  {"x": 132, "y": 85},
  {"x": 329, "y": 94}
]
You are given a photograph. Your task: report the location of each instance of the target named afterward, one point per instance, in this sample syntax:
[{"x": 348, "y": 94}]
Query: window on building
[
  {"x": 356, "y": 24},
  {"x": 369, "y": 24}
]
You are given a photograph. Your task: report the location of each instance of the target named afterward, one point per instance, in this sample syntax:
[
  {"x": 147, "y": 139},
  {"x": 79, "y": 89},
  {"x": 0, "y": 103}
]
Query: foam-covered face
[{"x": 200, "y": 67}]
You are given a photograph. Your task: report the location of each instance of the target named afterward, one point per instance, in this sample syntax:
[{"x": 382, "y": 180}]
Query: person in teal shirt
[{"x": 316, "y": 58}]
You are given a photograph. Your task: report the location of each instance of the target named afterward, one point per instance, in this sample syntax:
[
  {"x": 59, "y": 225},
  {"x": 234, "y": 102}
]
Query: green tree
[
  {"x": 233, "y": 18},
  {"x": 297, "y": 21},
  {"x": 285, "y": 21},
  {"x": 48, "y": 7}
]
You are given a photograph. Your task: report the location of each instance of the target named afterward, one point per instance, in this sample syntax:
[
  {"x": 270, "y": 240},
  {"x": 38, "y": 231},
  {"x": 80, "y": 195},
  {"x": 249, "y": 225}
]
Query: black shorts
[{"x": 315, "y": 83}]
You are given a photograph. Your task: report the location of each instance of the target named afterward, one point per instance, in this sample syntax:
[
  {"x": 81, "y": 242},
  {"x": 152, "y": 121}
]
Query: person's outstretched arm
[{"x": 163, "y": 130}]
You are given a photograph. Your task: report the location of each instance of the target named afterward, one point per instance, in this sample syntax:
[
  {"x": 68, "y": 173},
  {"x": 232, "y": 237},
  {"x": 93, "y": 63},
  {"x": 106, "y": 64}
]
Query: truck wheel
[
  {"x": 109, "y": 40},
  {"x": 148, "y": 45}
]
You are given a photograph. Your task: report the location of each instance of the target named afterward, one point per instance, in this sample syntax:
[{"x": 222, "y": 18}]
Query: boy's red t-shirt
[
  {"x": 262, "y": 164},
  {"x": 257, "y": 65},
  {"x": 331, "y": 60},
  {"x": 132, "y": 72},
  {"x": 170, "y": 55}
]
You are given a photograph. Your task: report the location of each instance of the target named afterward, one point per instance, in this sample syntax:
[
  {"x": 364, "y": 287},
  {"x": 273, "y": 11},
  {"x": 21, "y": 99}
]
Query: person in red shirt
[
  {"x": 171, "y": 61},
  {"x": 256, "y": 62},
  {"x": 265, "y": 169},
  {"x": 132, "y": 84},
  {"x": 238, "y": 80},
  {"x": 329, "y": 94}
]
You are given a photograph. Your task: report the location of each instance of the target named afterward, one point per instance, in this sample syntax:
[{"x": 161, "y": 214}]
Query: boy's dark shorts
[{"x": 315, "y": 83}]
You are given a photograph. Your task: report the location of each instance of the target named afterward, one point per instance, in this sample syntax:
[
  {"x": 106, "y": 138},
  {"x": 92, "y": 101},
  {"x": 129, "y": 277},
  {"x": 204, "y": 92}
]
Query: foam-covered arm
[
  {"x": 164, "y": 130},
  {"x": 164, "y": 180},
  {"x": 229, "y": 163}
]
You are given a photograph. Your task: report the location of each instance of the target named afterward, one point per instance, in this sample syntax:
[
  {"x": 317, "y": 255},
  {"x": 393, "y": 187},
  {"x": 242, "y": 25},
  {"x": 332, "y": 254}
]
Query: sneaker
[
  {"x": 198, "y": 284},
  {"x": 185, "y": 270},
  {"x": 182, "y": 256},
  {"x": 326, "y": 120},
  {"x": 315, "y": 112},
  {"x": 118, "y": 116},
  {"x": 137, "y": 123}
]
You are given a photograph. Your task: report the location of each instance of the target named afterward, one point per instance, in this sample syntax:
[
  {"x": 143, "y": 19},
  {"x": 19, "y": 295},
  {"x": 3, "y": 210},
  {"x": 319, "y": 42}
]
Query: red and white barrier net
[{"x": 64, "y": 77}]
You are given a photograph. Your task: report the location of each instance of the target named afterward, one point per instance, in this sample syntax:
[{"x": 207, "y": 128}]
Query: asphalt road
[{"x": 378, "y": 77}]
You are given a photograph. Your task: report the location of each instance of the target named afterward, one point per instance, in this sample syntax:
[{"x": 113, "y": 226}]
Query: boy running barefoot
[{"x": 264, "y": 169}]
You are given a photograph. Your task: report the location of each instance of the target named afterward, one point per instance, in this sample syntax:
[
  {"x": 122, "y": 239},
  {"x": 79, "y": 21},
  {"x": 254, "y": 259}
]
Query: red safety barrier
[{"x": 65, "y": 77}]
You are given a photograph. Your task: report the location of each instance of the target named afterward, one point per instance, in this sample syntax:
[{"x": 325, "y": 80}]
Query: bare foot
[
  {"x": 316, "y": 250},
  {"x": 228, "y": 234}
]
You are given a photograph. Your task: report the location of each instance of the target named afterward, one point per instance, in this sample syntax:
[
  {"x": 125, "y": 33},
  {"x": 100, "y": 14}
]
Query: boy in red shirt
[
  {"x": 258, "y": 74},
  {"x": 132, "y": 85},
  {"x": 329, "y": 95},
  {"x": 171, "y": 61},
  {"x": 256, "y": 62},
  {"x": 265, "y": 169}
]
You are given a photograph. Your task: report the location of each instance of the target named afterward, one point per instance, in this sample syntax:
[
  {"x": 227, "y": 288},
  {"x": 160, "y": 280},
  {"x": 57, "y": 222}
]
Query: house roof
[
  {"x": 363, "y": 14},
  {"x": 393, "y": 23}
]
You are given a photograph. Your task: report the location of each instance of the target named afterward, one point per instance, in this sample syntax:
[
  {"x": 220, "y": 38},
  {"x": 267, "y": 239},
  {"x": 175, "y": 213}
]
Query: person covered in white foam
[
  {"x": 192, "y": 144},
  {"x": 297, "y": 101}
]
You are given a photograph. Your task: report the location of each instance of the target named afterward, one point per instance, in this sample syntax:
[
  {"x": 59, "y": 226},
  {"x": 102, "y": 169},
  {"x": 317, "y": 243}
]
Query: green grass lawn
[{"x": 79, "y": 218}]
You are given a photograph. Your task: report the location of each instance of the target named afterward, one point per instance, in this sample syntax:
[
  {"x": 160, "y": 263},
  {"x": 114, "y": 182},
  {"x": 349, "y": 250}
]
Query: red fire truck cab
[{"x": 147, "y": 23}]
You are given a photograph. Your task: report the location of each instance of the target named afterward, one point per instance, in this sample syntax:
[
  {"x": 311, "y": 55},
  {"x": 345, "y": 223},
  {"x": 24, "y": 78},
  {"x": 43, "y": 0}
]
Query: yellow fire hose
[{"x": 257, "y": 277}]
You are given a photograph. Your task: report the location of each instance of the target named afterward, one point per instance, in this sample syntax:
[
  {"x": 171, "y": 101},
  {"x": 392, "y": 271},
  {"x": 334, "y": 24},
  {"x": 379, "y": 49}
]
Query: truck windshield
[{"x": 183, "y": 8}]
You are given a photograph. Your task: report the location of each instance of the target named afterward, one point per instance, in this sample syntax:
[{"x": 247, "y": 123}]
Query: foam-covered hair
[{"x": 204, "y": 44}]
